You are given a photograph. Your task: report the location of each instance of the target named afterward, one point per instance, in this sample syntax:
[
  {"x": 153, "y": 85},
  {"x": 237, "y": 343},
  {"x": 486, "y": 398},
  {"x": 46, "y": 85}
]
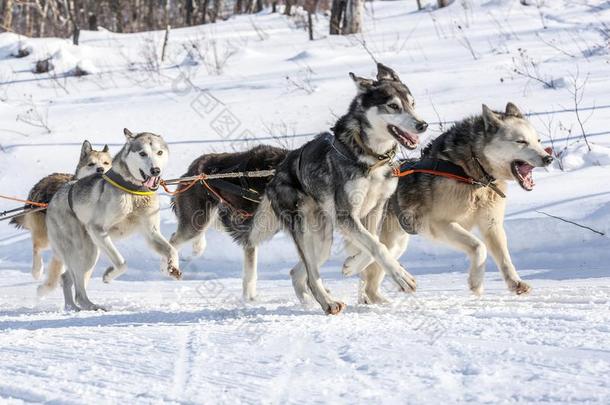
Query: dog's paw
[
  {"x": 406, "y": 282},
  {"x": 355, "y": 264},
  {"x": 370, "y": 298},
  {"x": 71, "y": 308},
  {"x": 43, "y": 290},
  {"x": 335, "y": 308},
  {"x": 107, "y": 277},
  {"x": 174, "y": 272},
  {"x": 111, "y": 273},
  {"x": 520, "y": 288},
  {"x": 475, "y": 286}
]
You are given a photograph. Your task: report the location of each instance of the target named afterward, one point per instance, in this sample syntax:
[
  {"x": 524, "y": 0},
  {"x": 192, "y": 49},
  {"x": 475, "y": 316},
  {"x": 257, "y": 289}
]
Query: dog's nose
[
  {"x": 421, "y": 126},
  {"x": 547, "y": 160},
  {"x": 100, "y": 170},
  {"x": 155, "y": 171}
]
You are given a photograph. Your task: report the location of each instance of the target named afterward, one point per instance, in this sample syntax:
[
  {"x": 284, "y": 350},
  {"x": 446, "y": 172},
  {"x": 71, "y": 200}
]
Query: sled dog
[
  {"x": 491, "y": 149},
  {"x": 85, "y": 216},
  {"x": 90, "y": 162}
]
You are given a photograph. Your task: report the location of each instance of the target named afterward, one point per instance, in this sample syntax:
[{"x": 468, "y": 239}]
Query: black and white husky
[
  {"x": 84, "y": 216},
  {"x": 340, "y": 179},
  {"x": 491, "y": 148}
]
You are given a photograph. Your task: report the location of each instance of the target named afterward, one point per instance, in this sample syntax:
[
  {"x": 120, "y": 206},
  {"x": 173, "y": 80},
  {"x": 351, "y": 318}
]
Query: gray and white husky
[
  {"x": 90, "y": 162},
  {"x": 492, "y": 148},
  {"x": 344, "y": 181},
  {"x": 84, "y": 216}
]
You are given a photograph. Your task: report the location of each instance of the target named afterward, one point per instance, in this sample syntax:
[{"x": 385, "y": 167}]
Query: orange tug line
[{"x": 468, "y": 180}]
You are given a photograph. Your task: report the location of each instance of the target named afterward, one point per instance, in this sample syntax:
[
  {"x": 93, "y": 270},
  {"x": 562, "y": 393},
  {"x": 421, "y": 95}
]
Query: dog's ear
[
  {"x": 85, "y": 149},
  {"x": 491, "y": 119},
  {"x": 513, "y": 110},
  {"x": 106, "y": 149},
  {"x": 362, "y": 84},
  {"x": 128, "y": 134},
  {"x": 385, "y": 73}
]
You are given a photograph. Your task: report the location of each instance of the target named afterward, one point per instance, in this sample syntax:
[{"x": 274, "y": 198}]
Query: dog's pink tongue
[
  {"x": 151, "y": 182},
  {"x": 525, "y": 171}
]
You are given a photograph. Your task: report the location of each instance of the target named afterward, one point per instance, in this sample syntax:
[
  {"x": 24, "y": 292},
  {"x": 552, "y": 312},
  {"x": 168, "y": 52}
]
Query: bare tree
[
  {"x": 8, "y": 15},
  {"x": 442, "y": 3},
  {"x": 353, "y": 17},
  {"x": 336, "y": 16}
]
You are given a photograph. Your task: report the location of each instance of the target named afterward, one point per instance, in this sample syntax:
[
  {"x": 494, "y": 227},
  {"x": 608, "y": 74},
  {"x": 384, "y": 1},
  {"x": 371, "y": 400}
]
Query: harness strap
[
  {"x": 445, "y": 168},
  {"x": 245, "y": 193}
]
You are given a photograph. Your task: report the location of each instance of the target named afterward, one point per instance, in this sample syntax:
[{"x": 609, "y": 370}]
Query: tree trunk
[
  {"x": 150, "y": 18},
  {"x": 442, "y": 3},
  {"x": 288, "y": 7},
  {"x": 204, "y": 11},
  {"x": 353, "y": 17},
  {"x": 259, "y": 6},
  {"x": 8, "y": 15},
  {"x": 418, "y": 4},
  {"x": 72, "y": 6},
  {"x": 115, "y": 7},
  {"x": 239, "y": 7},
  {"x": 274, "y": 7},
  {"x": 217, "y": 10},
  {"x": 189, "y": 12},
  {"x": 336, "y": 16}
]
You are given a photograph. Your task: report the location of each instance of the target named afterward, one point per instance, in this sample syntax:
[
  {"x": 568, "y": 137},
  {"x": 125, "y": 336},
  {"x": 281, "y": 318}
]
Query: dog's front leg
[
  {"x": 355, "y": 232},
  {"x": 102, "y": 239},
  {"x": 169, "y": 256},
  {"x": 495, "y": 239},
  {"x": 359, "y": 260}
]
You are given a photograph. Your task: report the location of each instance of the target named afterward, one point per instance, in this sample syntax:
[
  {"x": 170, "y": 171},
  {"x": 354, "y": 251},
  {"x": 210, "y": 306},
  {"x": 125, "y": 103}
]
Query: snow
[{"x": 195, "y": 341}]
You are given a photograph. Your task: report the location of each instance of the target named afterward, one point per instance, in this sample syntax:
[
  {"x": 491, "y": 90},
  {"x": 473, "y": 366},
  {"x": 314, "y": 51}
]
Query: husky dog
[
  {"x": 197, "y": 207},
  {"x": 345, "y": 180},
  {"x": 85, "y": 215},
  {"x": 491, "y": 148},
  {"x": 90, "y": 162}
]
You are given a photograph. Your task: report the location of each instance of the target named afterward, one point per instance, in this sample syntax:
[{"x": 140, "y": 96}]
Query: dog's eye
[
  {"x": 522, "y": 142},
  {"x": 143, "y": 154},
  {"x": 160, "y": 153},
  {"x": 106, "y": 163},
  {"x": 91, "y": 164},
  {"x": 393, "y": 106}
]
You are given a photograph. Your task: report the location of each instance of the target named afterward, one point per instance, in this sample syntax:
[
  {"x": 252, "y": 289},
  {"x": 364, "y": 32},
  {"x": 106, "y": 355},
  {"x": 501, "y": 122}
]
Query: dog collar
[
  {"x": 384, "y": 158},
  {"x": 118, "y": 181},
  {"x": 445, "y": 168}
]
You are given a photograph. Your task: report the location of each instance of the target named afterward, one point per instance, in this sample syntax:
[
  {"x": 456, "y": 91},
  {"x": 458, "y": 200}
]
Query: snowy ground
[{"x": 194, "y": 341}]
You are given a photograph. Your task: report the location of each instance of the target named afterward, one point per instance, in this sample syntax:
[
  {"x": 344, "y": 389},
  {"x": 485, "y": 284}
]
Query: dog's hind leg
[
  {"x": 495, "y": 239},
  {"x": 35, "y": 222},
  {"x": 250, "y": 275},
  {"x": 298, "y": 275},
  {"x": 66, "y": 284},
  {"x": 192, "y": 225},
  {"x": 53, "y": 276},
  {"x": 79, "y": 266},
  {"x": 455, "y": 235},
  {"x": 313, "y": 245}
]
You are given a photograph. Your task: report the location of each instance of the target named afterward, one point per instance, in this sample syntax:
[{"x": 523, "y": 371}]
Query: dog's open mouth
[
  {"x": 409, "y": 141},
  {"x": 151, "y": 182},
  {"x": 523, "y": 173}
]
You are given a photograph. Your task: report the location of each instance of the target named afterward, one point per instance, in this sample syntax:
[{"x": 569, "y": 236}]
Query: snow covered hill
[{"x": 258, "y": 78}]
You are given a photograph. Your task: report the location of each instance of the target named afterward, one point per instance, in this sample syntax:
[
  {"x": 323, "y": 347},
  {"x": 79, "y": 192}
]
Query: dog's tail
[{"x": 18, "y": 222}]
